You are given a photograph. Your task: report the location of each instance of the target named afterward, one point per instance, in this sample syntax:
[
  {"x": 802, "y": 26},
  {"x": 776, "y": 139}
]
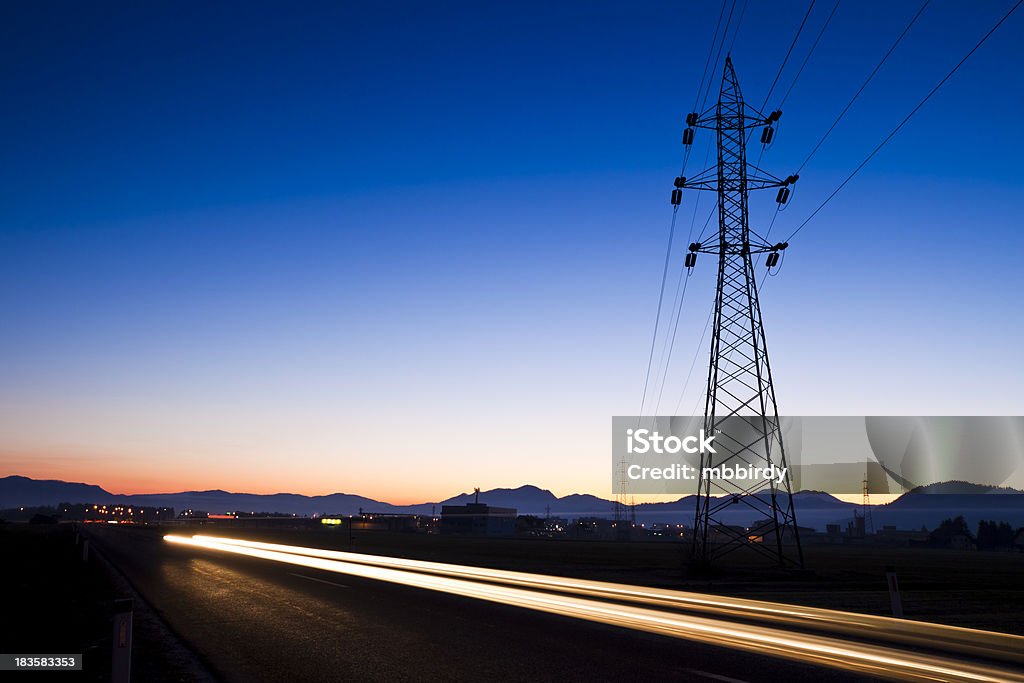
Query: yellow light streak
[
  {"x": 815, "y": 649},
  {"x": 947, "y": 638}
]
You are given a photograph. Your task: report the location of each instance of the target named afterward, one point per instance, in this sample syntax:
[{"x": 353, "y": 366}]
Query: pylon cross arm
[{"x": 750, "y": 118}]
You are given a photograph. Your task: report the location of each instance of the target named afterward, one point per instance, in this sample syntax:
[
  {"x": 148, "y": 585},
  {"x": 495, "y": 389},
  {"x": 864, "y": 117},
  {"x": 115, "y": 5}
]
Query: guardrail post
[
  {"x": 121, "y": 664},
  {"x": 895, "y": 601}
]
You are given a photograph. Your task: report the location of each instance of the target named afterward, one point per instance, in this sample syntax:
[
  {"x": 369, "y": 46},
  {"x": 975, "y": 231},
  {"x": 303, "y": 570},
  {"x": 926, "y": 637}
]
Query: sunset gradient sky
[{"x": 406, "y": 249}]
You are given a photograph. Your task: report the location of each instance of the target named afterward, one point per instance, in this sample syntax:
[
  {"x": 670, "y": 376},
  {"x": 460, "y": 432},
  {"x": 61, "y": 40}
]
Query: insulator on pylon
[
  {"x": 680, "y": 182},
  {"x": 791, "y": 179},
  {"x": 694, "y": 246},
  {"x": 691, "y": 119},
  {"x": 783, "y": 196},
  {"x": 775, "y": 116},
  {"x": 772, "y": 259},
  {"x": 688, "y": 136},
  {"x": 767, "y": 134},
  {"x": 691, "y": 260},
  {"x": 677, "y": 197}
]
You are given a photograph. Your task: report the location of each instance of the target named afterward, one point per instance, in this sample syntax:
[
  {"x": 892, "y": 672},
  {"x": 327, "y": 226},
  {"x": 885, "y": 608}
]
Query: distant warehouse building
[
  {"x": 386, "y": 521},
  {"x": 478, "y": 519}
]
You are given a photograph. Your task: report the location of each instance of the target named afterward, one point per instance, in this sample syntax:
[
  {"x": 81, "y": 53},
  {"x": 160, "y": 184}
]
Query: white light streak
[{"x": 816, "y": 649}]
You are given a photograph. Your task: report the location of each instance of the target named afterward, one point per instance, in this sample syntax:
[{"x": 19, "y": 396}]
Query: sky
[{"x": 407, "y": 249}]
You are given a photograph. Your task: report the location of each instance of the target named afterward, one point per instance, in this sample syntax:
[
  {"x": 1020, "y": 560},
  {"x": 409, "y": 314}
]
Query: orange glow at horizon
[
  {"x": 384, "y": 477},
  {"x": 149, "y": 476},
  {"x": 135, "y": 476}
]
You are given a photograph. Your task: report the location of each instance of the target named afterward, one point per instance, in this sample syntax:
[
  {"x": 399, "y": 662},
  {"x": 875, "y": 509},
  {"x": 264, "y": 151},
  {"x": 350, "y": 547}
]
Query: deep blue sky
[{"x": 239, "y": 234}]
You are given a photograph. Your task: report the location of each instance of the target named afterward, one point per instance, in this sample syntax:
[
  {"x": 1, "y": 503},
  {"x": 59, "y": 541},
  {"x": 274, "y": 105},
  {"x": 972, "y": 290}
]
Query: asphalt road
[{"x": 255, "y": 620}]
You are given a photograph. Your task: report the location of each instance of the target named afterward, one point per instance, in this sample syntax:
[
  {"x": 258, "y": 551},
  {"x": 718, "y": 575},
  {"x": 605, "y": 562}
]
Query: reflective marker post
[
  {"x": 894, "y": 592},
  {"x": 121, "y": 665}
]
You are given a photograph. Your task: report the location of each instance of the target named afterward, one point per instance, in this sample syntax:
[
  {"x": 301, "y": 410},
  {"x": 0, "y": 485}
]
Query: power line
[
  {"x": 853, "y": 99},
  {"x": 810, "y": 52},
  {"x": 788, "y": 53},
  {"x": 675, "y": 209},
  {"x": 673, "y": 321},
  {"x": 704, "y": 76},
  {"x": 711, "y": 51},
  {"x": 693, "y": 363},
  {"x": 736, "y": 32},
  {"x": 681, "y": 296},
  {"x": 774, "y": 83},
  {"x": 671, "y": 345},
  {"x": 667, "y": 362},
  {"x": 721, "y": 46},
  {"x": 661, "y": 298},
  {"x": 706, "y": 223},
  {"x": 677, "y": 301},
  {"x": 799, "y": 71},
  {"x": 906, "y": 118}
]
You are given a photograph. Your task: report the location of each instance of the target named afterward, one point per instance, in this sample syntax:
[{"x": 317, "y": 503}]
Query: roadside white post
[
  {"x": 121, "y": 666},
  {"x": 895, "y": 601}
]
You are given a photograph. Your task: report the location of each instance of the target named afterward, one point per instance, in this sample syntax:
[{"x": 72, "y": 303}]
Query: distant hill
[
  {"x": 962, "y": 487},
  {"x": 18, "y": 491},
  {"x": 532, "y": 500},
  {"x": 927, "y": 505}
]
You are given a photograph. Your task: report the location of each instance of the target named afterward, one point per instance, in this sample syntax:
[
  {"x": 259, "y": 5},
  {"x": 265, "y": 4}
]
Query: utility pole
[
  {"x": 740, "y": 407},
  {"x": 869, "y": 524},
  {"x": 620, "y": 496}
]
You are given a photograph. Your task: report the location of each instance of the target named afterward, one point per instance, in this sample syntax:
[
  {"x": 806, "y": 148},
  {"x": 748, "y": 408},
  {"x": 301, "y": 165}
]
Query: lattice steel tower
[{"x": 740, "y": 407}]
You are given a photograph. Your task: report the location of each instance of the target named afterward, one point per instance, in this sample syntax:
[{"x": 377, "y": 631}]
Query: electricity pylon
[{"x": 740, "y": 408}]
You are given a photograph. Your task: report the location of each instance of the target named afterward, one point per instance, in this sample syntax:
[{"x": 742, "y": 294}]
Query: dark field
[{"x": 56, "y": 604}]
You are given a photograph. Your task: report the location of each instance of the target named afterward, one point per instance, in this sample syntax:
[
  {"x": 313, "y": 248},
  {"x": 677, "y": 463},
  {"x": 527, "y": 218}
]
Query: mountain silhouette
[{"x": 924, "y": 506}]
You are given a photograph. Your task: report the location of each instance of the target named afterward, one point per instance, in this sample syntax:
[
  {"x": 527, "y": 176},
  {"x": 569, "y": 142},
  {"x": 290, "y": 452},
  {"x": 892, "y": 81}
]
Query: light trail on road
[
  {"x": 936, "y": 636},
  {"x": 809, "y": 648}
]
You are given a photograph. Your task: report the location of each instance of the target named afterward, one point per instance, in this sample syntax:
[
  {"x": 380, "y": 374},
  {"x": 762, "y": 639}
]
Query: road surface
[{"x": 257, "y": 619}]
